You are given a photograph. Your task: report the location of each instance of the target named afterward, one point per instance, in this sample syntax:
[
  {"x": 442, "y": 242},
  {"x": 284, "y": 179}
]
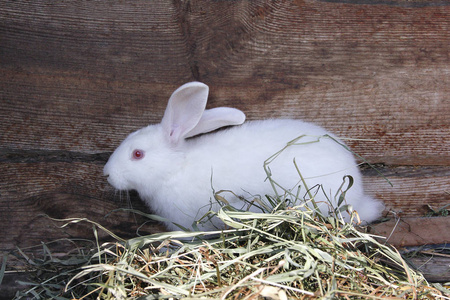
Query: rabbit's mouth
[
  {"x": 118, "y": 183},
  {"x": 115, "y": 179}
]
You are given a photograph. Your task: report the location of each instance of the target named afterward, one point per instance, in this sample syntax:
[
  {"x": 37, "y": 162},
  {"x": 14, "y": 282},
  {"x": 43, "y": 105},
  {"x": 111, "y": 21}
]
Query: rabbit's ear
[
  {"x": 216, "y": 118},
  {"x": 184, "y": 110}
]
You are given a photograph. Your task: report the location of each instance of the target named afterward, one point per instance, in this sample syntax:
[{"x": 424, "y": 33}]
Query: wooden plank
[
  {"x": 363, "y": 71},
  {"x": 61, "y": 190},
  {"x": 95, "y": 120},
  {"x": 414, "y": 231},
  {"x": 434, "y": 268},
  {"x": 414, "y": 190},
  {"x": 112, "y": 41}
]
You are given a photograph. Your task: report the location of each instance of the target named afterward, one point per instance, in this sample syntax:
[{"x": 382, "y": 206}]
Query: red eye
[{"x": 138, "y": 154}]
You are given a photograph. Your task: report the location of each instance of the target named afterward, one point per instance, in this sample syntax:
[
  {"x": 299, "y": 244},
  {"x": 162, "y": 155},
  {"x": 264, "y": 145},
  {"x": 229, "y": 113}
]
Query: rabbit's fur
[{"x": 178, "y": 170}]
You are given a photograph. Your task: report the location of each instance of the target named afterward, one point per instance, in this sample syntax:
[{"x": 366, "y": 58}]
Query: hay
[{"x": 290, "y": 252}]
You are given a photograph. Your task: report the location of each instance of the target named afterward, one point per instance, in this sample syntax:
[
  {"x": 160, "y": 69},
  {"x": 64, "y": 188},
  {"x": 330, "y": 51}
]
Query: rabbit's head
[{"x": 148, "y": 155}]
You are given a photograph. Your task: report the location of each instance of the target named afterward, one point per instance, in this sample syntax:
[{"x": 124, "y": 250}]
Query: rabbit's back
[{"x": 237, "y": 159}]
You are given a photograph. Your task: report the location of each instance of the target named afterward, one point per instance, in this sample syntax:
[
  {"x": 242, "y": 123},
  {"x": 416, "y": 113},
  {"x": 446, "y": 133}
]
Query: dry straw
[{"x": 290, "y": 252}]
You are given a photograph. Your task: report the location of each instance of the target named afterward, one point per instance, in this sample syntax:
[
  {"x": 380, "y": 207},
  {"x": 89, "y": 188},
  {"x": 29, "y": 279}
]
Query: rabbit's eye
[{"x": 138, "y": 154}]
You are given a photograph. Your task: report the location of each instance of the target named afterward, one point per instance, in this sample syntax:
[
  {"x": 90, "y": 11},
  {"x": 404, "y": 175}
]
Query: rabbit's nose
[{"x": 106, "y": 170}]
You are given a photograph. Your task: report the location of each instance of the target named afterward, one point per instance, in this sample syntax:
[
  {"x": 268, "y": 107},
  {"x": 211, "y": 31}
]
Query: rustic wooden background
[{"x": 77, "y": 77}]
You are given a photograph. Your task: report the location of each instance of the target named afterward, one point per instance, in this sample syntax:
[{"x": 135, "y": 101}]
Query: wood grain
[
  {"x": 414, "y": 189},
  {"x": 434, "y": 268},
  {"x": 61, "y": 190},
  {"x": 404, "y": 232},
  {"x": 78, "y": 77}
]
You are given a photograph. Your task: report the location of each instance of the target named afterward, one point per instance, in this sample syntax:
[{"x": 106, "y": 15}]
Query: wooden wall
[{"x": 77, "y": 77}]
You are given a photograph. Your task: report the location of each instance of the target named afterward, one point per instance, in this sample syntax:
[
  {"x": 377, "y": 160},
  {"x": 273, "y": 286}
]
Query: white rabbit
[{"x": 176, "y": 174}]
